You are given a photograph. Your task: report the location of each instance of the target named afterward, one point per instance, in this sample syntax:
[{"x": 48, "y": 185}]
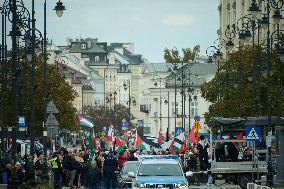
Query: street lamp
[
  {"x": 229, "y": 34},
  {"x": 59, "y": 8},
  {"x": 265, "y": 23},
  {"x": 59, "y": 11},
  {"x": 131, "y": 100},
  {"x": 214, "y": 52},
  {"x": 166, "y": 102},
  {"x": 160, "y": 87}
]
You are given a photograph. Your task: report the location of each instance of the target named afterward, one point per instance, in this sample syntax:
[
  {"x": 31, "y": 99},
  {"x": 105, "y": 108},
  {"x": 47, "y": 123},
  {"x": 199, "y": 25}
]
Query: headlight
[
  {"x": 180, "y": 185},
  {"x": 140, "y": 185}
]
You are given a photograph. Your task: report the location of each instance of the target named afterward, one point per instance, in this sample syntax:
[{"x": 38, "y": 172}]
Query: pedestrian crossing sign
[{"x": 253, "y": 134}]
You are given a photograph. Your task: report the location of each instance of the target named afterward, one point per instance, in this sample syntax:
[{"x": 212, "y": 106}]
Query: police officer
[
  {"x": 110, "y": 166},
  {"x": 56, "y": 165}
]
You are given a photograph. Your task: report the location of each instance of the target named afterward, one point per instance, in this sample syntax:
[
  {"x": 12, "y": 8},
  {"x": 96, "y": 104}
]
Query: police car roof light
[{"x": 173, "y": 157}]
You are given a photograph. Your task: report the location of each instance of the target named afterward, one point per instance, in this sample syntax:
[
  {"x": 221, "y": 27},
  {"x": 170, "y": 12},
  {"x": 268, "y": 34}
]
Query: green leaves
[
  {"x": 102, "y": 116},
  {"x": 173, "y": 55},
  {"x": 250, "y": 63}
]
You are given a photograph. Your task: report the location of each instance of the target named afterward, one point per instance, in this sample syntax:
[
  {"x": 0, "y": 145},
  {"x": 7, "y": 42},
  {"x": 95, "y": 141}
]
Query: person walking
[
  {"x": 94, "y": 176},
  {"x": 69, "y": 165},
  {"x": 110, "y": 166}
]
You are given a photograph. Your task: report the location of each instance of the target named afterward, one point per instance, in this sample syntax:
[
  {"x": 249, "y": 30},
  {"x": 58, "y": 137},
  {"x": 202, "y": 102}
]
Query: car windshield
[
  {"x": 160, "y": 170},
  {"x": 130, "y": 167}
]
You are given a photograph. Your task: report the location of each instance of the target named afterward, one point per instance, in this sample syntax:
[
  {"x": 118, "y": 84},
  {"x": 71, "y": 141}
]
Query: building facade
[{"x": 232, "y": 13}]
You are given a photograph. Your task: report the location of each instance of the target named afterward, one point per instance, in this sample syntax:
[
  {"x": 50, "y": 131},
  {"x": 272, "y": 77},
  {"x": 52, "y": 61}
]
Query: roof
[
  {"x": 76, "y": 47},
  {"x": 135, "y": 58},
  {"x": 197, "y": 72},
  {"x": 248, "y": 121},
  {"x": 159, "y": 67},
  {"x": 160, "y": 161}
]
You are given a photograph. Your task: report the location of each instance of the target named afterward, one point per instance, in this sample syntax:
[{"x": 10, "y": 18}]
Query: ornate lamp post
[
  {"x": 131, "y": 100},
  {"x": 214, "y": 55},
  {"x": 265, "y": 23},
  {"x": 160, "y": 100}
]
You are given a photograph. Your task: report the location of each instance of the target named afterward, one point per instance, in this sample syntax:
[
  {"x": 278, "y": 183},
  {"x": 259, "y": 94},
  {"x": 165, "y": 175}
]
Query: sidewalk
[{"x": 226, "y": 186}]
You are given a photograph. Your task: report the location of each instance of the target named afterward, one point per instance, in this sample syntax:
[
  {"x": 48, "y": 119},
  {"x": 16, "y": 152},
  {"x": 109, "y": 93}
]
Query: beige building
[{"x": 231, "y": 12}]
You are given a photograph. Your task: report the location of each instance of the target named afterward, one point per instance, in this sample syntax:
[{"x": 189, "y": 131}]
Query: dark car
[{"x": 130, "y": 166}]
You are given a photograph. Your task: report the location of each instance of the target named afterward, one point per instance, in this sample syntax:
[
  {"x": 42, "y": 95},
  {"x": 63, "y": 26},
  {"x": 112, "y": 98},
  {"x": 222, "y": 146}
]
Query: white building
[{"x": 161, "y": 116}]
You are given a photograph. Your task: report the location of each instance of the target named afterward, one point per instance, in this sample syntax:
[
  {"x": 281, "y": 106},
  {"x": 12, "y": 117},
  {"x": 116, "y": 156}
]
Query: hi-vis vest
[{"x": 54, "y": 163}]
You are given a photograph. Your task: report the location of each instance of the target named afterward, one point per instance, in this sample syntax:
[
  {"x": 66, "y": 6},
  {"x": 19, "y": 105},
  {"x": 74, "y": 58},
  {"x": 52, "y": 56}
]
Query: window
[
  {"x": 83, "y": 46},
  {"x": 173, "y": 108},
  {"x": 97, "y": 58},
  {"x": 193, "y": 112},
  {"x": 147, "y": 130},
  {"x": 194, "y": 103}
]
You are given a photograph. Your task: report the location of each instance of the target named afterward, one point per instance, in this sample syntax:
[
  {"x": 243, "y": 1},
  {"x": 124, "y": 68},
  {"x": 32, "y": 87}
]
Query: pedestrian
[
  {"x": 39, "y": 167},
  {"x": 110, "y": 166},
  {"x": 56, "y": 165},
  {"x": 94, "y": 176},
  {"x": 203, "y": 157},
  {"x": 18, "y": 176},
  {"x": 69, "y": 165},
  {"x": 122, "y": 158}
]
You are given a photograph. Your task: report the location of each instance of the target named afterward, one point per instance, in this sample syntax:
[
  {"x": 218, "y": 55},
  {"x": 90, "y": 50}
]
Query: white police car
[{"x": 164, "y": 172}]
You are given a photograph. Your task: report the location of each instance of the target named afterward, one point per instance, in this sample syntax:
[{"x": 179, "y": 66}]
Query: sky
[{"x": 152, "y": 25}]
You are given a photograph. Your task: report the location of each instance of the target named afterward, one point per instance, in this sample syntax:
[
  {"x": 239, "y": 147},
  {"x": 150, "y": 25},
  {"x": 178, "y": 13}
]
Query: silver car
[{"x": 130, "y": 166}]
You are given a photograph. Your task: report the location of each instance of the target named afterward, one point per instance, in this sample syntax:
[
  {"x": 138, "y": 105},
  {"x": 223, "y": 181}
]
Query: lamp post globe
[
  {"x": 264, "y": 22},
  {"x": 247, "y": 35},
  {"x": 230, "y": 45},
  {"x": 59, "y": 8},
  {"x": 253, "y": 9},
  {"x": 277, "y": 16}
]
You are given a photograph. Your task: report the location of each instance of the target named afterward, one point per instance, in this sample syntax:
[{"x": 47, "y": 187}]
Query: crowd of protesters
[{"x": 80, "y": 168}]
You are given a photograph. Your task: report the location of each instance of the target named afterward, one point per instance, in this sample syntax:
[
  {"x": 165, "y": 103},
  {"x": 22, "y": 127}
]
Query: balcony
[{"x": 146, "y": 108}]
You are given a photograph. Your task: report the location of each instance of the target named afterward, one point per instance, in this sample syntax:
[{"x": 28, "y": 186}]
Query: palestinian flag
[
  {"x": 83, "y": 121},
  {"x": 110, "y": 137},
  {"x": 178, "y": 142},
  {"x": 91, "y": 145},
  {"x": 160, "y": 139},
  {"x": 119, "y": 145},
  {"x": 143, "y": 143},
  {"x": 167, "y": 145}
]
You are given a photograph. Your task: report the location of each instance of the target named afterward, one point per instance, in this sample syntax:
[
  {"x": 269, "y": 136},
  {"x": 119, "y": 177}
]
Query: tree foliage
[
  {"x": 249, "y": 89},
  {"x": 59, "y": 91},
  {"x": 102, "y": 116},
  {"x": 173, "y": 55}
]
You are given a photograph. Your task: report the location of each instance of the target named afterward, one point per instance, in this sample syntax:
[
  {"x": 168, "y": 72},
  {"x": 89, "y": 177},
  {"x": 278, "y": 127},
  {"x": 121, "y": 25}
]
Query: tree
[
  {"x": 173, "y": 55},
  {"x": 102, "y": 116},
  {"x": 59, "y": 91},
  {"x": 248, "y": 98}
]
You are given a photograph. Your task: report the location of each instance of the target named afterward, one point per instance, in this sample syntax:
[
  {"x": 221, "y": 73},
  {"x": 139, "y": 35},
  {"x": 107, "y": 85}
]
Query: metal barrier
[{"x": 255, "y": 186}]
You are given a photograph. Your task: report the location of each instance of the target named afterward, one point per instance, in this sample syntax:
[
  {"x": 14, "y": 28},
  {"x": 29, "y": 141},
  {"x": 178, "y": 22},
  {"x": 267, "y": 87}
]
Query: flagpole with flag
[{"x": 110, "y": 135}]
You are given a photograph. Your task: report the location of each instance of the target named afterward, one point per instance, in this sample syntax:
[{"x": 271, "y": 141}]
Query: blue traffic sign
[
  {"x": 140, "y": 122},
  {"x": 253, "y": 133},
  {"x": 21, "y": 122},
  {"x": 178, "y": 130}
]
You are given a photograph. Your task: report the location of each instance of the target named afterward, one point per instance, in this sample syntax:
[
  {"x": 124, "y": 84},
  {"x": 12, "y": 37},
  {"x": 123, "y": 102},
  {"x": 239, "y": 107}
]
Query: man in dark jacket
[
  {"x": 110, "y": 166},
  {"x": 94, "y": 177},
  {"x": 69, "y": 166}
]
